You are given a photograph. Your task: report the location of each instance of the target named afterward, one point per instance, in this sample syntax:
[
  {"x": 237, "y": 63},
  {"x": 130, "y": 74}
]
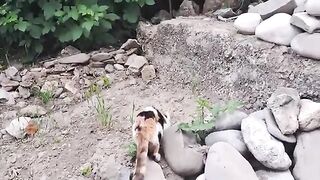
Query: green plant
[
  {"x": 49, "y": 24},
  {"x": 132, "y": 150},
  {"x": 103, "y": 112},
  {"x": 200, "y": 123},
  {"x": 86, "y": 171},
  {"x": 132, "y": 113},
  {"x": 45, "y": 96}
]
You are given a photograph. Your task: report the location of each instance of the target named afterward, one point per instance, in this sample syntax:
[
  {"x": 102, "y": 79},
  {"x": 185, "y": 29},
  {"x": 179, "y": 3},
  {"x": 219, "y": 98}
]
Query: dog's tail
[{"x": 141, "y": 157}]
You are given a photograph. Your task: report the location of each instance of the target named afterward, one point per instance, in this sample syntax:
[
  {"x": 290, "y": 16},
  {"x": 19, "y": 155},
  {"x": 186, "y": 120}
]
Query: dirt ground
[{"x": 71, "y": 136}]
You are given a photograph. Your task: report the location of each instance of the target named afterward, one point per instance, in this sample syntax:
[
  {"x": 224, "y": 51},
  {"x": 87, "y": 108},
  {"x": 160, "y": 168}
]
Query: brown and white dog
[{"x": 147, "y": 131}]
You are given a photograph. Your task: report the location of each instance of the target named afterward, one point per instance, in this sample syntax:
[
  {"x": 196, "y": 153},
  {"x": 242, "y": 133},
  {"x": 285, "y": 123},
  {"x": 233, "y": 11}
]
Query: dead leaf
[{"x": 32, "y": 128}]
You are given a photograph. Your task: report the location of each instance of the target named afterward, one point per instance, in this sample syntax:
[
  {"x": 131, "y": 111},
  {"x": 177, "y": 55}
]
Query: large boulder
[
  {"x": 277, "y": 29},
  {"x": 75, "y": 59},
  {"x": 274, "y": 175},
  {"x": 309, "y": 116},
  {"x": 306, "y": 22},
  {"x": 265, "y": 148},
  {"x": 154, "y": 171},
  {"x": 230, "y": 120},
  {"x": 272, "y": 7},
  {"x": 225, "y": 162},
  {"x": 313, "y": 7},
  {"x": 307, "y": 156},
  {"x": 306, "y": 45},
  {"x": 177, "y": 152},
  {"x": 246, "y": 23},
  {"x": 233, "y": 137},
  {"x": 285, "y": 104}
]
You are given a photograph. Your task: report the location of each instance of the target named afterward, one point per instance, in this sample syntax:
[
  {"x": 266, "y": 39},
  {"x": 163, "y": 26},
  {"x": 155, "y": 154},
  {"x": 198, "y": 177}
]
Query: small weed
[
  {"x": 106, "y": 82},
  {"x": 132, "y": 150},
  {"x": 86, "y": 171},
  {"x": 132, "y": 113},
  {"x": 103, "y": 112},
  {"x": 45, "y": 96},
  {"x": 93, "y": 89},
  {"x": 200, "y": 123}
]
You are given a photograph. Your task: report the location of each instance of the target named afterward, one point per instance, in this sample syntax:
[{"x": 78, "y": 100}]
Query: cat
[{"x": 147, "y": 132}]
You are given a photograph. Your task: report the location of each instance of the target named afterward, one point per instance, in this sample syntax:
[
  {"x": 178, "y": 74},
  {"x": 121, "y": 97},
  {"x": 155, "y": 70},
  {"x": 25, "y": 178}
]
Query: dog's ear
[{"x": 161, "y": 118}]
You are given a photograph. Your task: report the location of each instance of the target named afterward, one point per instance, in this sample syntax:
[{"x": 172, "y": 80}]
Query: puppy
[{"x": 147, "y": 131}]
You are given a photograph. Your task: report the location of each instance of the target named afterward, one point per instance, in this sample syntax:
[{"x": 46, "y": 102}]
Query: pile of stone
[
  {"x": 278, "y": 142},
  {"x": 72, "y": 72},
  {"x": 294, "y": 23}
]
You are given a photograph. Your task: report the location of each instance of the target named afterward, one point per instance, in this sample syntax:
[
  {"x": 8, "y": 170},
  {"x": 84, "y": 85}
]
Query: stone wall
[{"x": 198, "y": 52}]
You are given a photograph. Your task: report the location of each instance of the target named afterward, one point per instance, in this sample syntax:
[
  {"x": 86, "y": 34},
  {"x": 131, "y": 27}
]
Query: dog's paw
[{"x": 157, "y": 157}]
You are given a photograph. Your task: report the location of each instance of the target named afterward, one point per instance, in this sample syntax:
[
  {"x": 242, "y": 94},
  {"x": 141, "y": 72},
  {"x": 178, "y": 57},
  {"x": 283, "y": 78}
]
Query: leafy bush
[
  {"x": 48, "y": 24},
  {"x": 204, "y": 122}
]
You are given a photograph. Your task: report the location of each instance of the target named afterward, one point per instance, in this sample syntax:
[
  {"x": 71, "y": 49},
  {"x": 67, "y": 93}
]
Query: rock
[
  {"x": 11, "y": 72},
  {"x": 177, "y": 151},
  {"x": 201, "y": 177},
  {"x": 58, "y": 92},
  {"x": 225, "y": 13},
  {"x": 186, "y": 9},
  {"x": 246, "y": 23},
  {"x": 17, "y": 126},
  {"x": 70, "y": 86},
  {"x": 273, "y": 127},
  {"x": 75, "y": 59},
  {"x": 313, "y": 7},
  {"x": 28, "y": 80},
  {"x": 121, "y": 58},
  {"x": 49, "y": 86},
  {"x": 109, "y": 68},
  {"x": 124, "y": 174},
  {"x": 306, "y": 156},
  {"x": 277, "y": 29},
  {"x": 272, "y": 7},
  {"x": 135, "y": 62},
  {"x": 70, "y": 50},
  {"x": 300, "y": 2},
  {"x": 24, "y": 92},
  {"x": 309, "y": 116},
  {"x": 266, "y": 149},
  {"x": 306, "y": 45},
  {"x": 306, "y": 22},
  {"x": 101, "y": 57},
  {"x": 9, "y": 84},
  {"x": 132, "y": 51},
  {"x": 148, "y": 72},
  {"x": 223, "y": 159},
  {"x": 4, "y": 96},
  {"x": 118, "y": 67},
  {"x": 299, "y": 9},
  {"x": 50, "y": 64},
  {"x": 285, "y": 104},
  {"x": 154, "y": 171},
  {"x": 232, "y": 137},
  {"x": 213, "y": 5},
  {"x": 274, "y": 175},
  {"x": 230, "y": 120},
  {"x": 131, "y": 43},
  {"x": 33, "y": 111}
]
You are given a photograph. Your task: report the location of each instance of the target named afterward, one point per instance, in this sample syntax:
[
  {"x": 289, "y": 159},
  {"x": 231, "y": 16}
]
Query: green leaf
[
  {"x": 38, "y": 47},
  {"x": 112, "y": 16},
  {"x": 150, "y": 2},
  {"x": 76, "y": 32},
  {"x": 73, "y": 13},
  {"x": 87, "y": 25},
  {"x": 131, "y": 13},
  {"x": 21, "y": 26},
  {"x": 49, "y": 8},
  {"x": 35, "y": 31}
]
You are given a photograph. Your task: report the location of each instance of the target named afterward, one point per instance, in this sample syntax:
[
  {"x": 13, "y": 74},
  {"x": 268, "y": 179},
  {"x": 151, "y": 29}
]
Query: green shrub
[{"x": 48, "y": 24}]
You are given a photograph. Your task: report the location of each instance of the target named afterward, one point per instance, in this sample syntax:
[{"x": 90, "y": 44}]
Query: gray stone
[
  {"x": 246, "y": 23},
  {"x": 148, "y": 72},
  {"x": 201, "y": 177},
  {"x": 129, "y": 44},
  {"x": 190, "y": 50},
  {"x": 50, "y": 64},
  {"x": 306, "y": 22},
  {"x": 272, "y": 7},
  {"x": 132, "y": 51},
  {"x": 306, "y": 156},
  {"x": 71, "y": 86},
  {"x": 75, "y": 59},
  {"x": 121, "y": 58},
  {"x": 4, "y": 96},
  {"x": 11, "y": 72},
  {"x": 277, "y": 29},
  {"x": 101, "y": 56},
  {"x": 118, "y": 67},
  {"x": 124, "y": 174},
  {"x": 225, "y": 162},
  {"x": 225, "y": 13},
  {"x": 9, "y": 84},
  {"x": 70, "y": 50},
  {"x": 309, "y": 116},
  {"x": 33, "y": 111},
  {"x": 313, "y": 7},
  {"x": 306, "y": 45},
  {"x": 177, "y": 151},
  {"x": 213, "y": 5},
  {"x": 232, "y": 137},
  {"x": 230, "y": 120},
  {"x": 24, "y": 92},
  {"x": 274, "y": 175},
  {"x": 186, "y": 9},
  {"x": 17, "y": 126},
  {"x": 135, "y": 62},
  {"x": 266, "y": 149},
  {"x": 285, "y": 104},
  {"x": 154, "y": 171},
  {"x": 49, "y": 86},
  {"x": 299, "y": 9},
  {"x": 109, "y": 68},
  {"x": 272, "y": 126}
]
